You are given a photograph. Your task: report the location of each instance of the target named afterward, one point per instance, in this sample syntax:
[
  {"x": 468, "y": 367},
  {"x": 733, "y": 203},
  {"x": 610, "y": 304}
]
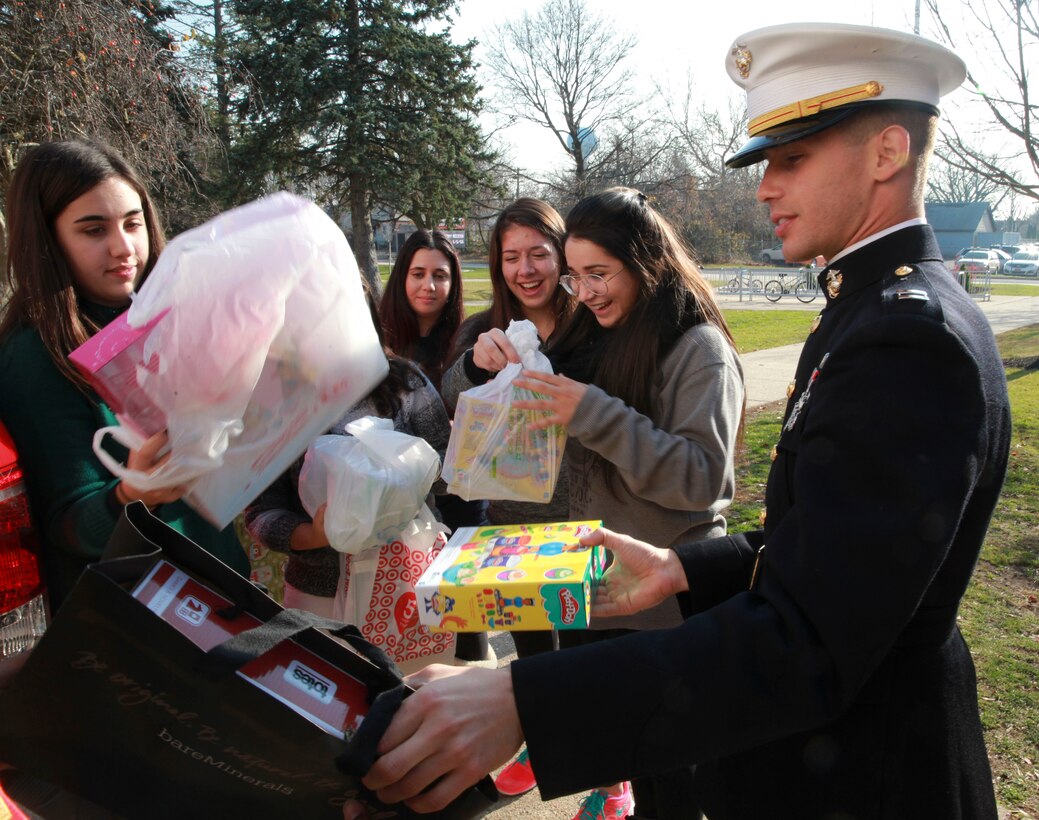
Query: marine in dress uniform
[{"x": 819, "y": 672}]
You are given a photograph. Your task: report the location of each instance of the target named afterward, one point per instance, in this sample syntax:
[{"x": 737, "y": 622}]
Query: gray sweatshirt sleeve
[
  {"x": 684, "y": 459},
  {"x": 458, "y": 377}
]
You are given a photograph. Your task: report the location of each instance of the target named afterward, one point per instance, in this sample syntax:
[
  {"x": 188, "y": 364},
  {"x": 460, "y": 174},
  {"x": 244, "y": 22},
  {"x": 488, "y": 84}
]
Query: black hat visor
[{"x": 753, "y": 150}]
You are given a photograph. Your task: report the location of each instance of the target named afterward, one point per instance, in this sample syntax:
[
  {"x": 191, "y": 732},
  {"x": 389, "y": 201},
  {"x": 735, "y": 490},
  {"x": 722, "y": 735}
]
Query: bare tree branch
[
  {"x": 563, "y": 68},
  {"x": 1007, "y": 46}
]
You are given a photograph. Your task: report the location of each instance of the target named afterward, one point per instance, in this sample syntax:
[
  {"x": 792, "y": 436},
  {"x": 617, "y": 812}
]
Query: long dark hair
[
  {"x": 543, "y": 218},
  {"x": 43, "y": 293},
  {"x": 403, "y": 375},
  {"x": 673, "y": 296},
  {"x": 398, "y": 320}
]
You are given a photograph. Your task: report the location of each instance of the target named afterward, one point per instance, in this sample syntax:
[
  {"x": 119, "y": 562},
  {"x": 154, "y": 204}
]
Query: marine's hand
[
  {"x": 461, "y": 724},
  {"x": 493, "y": 351},
  {"x": 561, "y": 397},
  {"x": 149, "y": 457},
  {"x": 641, "y": 575}
]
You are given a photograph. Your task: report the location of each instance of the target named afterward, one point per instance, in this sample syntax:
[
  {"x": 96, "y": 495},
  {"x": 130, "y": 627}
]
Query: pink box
[{"x": 109, "y": 361}]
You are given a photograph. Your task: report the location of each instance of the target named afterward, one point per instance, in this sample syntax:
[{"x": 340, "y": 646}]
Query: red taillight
[{"x": 20, "y": 578}]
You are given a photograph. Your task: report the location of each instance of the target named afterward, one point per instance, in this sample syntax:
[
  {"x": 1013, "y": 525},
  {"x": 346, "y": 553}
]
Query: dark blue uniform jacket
[{"x": 839, "y": 685}]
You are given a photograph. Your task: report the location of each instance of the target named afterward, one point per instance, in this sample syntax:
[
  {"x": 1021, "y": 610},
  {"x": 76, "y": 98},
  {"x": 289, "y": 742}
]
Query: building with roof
[{"x": 962, "y": 225}]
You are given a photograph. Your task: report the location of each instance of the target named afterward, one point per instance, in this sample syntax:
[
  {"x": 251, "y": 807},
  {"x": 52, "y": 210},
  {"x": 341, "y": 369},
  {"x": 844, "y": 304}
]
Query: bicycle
[
  {"x": 805, "y": 290},
  {"x": 738, "y": 284}
]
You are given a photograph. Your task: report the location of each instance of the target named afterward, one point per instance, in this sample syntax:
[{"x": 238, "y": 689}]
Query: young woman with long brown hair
[
  {"x": 649, "y": 387},
  {"x": 83, "y": 234},
  {"x": 422, "y": 307}
]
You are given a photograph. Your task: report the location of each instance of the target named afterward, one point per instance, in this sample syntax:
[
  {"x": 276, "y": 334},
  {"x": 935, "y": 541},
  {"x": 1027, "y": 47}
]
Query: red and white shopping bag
[{"x": 376, "y": 593}]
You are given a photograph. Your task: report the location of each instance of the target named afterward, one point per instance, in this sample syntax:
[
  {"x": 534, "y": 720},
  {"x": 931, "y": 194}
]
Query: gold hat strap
[{"x": 806, "y": 108}]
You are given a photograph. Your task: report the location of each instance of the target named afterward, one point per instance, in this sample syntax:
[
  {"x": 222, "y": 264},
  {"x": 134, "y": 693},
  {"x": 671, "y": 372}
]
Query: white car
[
  {"x": 1024, "y": 263},
  {"x": 977, "y": 260}
]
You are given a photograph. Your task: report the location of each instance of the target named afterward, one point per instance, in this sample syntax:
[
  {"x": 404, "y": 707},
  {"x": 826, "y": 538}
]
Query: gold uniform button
[
  {"x": 903, "y": 270},
  {"x": 790, "y": 388},
  {"x": 818, "y": 320},
  {"x": 762, "y": 516},
  {"x": 774, "y": 453}
]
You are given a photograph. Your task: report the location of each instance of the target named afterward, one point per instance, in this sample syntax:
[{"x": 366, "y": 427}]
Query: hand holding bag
[
  {"x": 492, "y": 453},
  {"x": 119, "y": 706},
  {"x": 249, "y": 339},
  {"x": 374, "y": 481}
]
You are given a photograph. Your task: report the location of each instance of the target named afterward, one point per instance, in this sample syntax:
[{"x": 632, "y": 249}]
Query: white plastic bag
[
  {"x": 261, "y": 340},
  {"x": 492, "y": 454},
  {"x": 375, "y": 481}
]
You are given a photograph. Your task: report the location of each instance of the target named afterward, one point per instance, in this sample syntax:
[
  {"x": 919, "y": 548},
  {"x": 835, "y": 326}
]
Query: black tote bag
[{"x": 116, "y": 705}]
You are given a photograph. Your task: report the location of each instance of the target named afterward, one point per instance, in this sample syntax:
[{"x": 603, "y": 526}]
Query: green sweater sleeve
[{"x": 52, "y": 424}]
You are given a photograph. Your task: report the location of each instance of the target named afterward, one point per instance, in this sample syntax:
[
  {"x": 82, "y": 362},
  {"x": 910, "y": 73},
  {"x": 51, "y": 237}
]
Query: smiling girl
[
  {"x": 422, "y": 306},
  {"x": 82, "y": 236},
  {"x": 650, "y": 390},
  {"x": 525, "y": 260}
]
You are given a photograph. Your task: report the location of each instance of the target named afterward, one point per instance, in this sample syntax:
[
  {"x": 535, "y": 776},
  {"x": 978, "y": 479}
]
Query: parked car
[
  {"x": 23, "y": 605},
  {"x": 977, "y": 260},
  {"x": 1003, "y": 257},
  {"x": 1024, "y": 263},
  {"x": 773, "y": 256}
]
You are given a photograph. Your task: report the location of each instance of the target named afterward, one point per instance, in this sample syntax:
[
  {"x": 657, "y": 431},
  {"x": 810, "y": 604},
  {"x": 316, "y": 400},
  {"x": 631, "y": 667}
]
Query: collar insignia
[{"x": 834, "y": 280}]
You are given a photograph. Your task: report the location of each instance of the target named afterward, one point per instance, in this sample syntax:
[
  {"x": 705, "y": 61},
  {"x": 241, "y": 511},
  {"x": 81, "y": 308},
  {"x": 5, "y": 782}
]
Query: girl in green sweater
[{"x": 82, "y": 236}]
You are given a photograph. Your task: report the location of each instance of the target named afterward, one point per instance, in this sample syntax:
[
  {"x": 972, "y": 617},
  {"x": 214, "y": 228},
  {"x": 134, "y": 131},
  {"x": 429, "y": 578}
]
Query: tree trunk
[
  {"x": 223, "y": 100},
  {"x": 361, "y": 231}
]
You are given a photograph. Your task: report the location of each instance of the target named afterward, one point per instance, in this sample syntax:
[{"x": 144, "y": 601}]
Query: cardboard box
[
  {"x": 109, "y": 360},
  {"x": 510, "y": 578},
  {"x": 319, "y": 691}
]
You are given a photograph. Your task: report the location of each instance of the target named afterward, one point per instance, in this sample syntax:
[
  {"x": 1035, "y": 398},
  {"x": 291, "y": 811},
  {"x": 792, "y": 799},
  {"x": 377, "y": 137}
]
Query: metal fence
[
  {"x": 978, "y": 285},
  {"x": 776, "y": 284},
  {"x": 772, "y": 284}
]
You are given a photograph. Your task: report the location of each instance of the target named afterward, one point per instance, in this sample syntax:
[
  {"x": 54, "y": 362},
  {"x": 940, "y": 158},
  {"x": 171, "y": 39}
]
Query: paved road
[{"x": 768, "y": 372}]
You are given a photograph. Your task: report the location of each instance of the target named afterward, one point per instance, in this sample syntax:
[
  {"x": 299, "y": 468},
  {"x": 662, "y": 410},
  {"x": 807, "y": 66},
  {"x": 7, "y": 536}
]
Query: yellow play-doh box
[{"x": 510, "y": 578}]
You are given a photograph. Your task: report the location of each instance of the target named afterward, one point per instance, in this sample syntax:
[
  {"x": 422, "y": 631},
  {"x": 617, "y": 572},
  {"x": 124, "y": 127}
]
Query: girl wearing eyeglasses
[{"x": 650, "y": 390}]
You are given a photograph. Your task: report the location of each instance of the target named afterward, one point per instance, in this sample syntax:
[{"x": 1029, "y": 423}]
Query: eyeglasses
[{"x": 592, "y": 282}]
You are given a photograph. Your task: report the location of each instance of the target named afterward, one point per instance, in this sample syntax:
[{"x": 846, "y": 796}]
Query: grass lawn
[
  {"x": 759, "y": 329},
  {"x": 1000, "y": 613},
  {"x": 1015, "y": 289}
]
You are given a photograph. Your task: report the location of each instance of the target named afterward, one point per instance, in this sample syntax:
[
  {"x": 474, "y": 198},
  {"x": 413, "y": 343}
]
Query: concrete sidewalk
[{"x": 768, "y": 372}]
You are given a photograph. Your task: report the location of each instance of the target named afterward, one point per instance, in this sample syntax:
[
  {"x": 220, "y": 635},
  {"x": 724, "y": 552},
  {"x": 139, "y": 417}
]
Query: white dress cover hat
[{"x": 803, "y": 77}]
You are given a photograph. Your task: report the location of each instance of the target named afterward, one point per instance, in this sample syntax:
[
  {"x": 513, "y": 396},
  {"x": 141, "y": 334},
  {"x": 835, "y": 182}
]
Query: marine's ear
[{"x": 890, "y": 152}]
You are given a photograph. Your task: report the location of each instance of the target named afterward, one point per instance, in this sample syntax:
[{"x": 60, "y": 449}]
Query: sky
[{"x": 676, "y": 38}]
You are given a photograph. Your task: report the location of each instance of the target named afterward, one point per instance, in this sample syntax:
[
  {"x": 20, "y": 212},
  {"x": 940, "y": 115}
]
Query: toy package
[
  {"x": 511, "y": 578},
  {"x": 310, "y": 685}
]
